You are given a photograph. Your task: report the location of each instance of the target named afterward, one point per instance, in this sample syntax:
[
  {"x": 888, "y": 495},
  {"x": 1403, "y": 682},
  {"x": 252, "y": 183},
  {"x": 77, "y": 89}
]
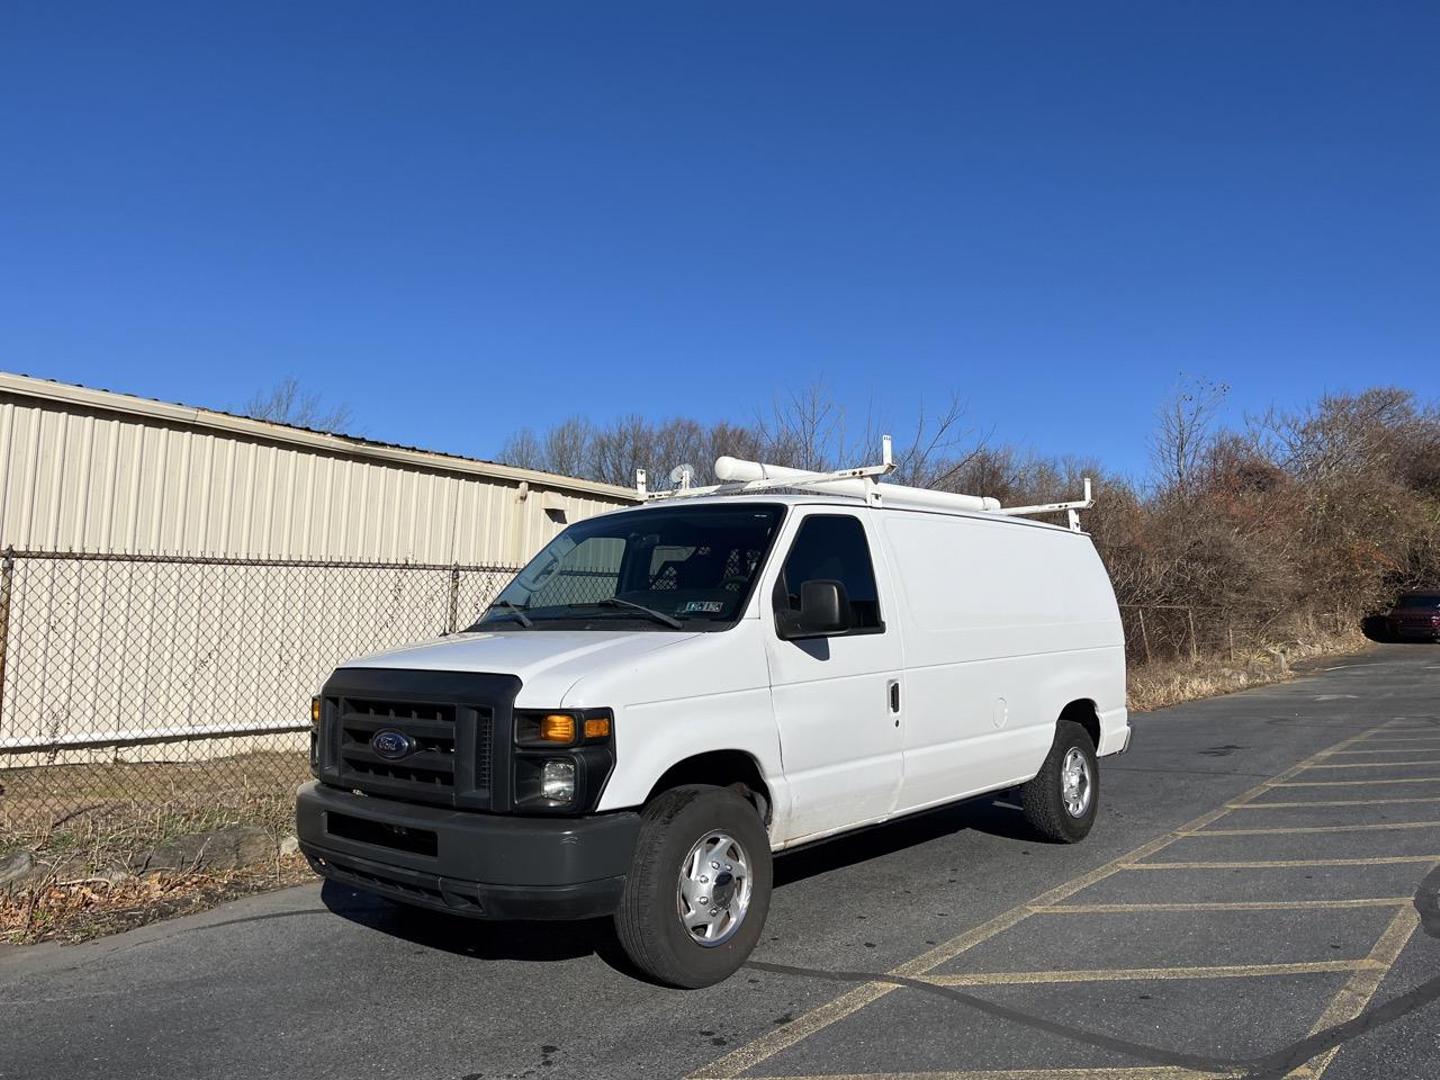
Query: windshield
[{"x": 688, "y": 565}]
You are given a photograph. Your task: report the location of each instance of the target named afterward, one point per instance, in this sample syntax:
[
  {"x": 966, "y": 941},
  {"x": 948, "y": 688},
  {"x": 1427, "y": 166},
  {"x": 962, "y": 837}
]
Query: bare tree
[
  {"x": 1183, "y": 431},
  {"x": 934, "y": 456},
  {"x": 804, "y": 430},
  {"x": 567, "y": 447},
  {"x": 523, "y": 450},
  {"x": 288, "y": 403},
  {"x": 620, "y": 449}
]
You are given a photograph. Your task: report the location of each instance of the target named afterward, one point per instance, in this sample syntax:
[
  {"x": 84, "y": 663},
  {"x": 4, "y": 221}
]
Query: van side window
[{"x": 833, "y": 547}]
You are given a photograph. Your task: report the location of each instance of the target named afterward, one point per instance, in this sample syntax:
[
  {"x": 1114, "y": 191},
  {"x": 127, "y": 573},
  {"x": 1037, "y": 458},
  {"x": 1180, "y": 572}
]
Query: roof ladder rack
[{"x": 742, "y": 477}]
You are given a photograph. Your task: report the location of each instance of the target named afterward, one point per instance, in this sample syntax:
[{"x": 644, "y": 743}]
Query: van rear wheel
[
  {"x": 698, "y": 890},
  {"x": 1060, "y": 803}
]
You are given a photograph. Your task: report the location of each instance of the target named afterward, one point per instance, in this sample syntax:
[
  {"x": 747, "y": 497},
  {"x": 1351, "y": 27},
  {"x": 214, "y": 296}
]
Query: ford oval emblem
[{"x": 391, "y": 744}]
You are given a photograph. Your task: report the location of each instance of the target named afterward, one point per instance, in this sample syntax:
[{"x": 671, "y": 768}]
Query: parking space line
[
  {"x": 1377, "y": 764},
  {"x": 1163, "y": 974},
  {"x": 1158, "y": 1073},
  {"x": 1348, "y": 753},
  {"x": 1265, "y": 864},
  {"x": 1355, "y": 995},
  {"x": 1285, "y": 830},
  {"x": 1354, "y": 783},
  {"x": 1332, "y": 802},
  {"x": 746, "y": 1057},
  {"x": 1223, "y": 905}
]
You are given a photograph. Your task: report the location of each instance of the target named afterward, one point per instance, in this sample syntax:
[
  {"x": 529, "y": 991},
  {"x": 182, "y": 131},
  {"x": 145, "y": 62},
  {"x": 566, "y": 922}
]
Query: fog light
[{"x": 557, "y": 780}]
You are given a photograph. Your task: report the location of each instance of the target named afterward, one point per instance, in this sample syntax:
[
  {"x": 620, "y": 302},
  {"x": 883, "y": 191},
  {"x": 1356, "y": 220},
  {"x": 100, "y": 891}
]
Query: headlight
[
  {"x": 555, "y": 728},
  {"x": 562, "y": 759},
  {"x": 557, "y": 780}
]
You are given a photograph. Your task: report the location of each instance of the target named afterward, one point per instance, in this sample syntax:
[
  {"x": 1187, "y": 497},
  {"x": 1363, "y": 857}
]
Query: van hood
[{"x": 547, "y": 662}]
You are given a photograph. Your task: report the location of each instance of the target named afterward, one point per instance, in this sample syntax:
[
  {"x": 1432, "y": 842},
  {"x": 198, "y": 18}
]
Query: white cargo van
[{"x": 667, "y": 695}]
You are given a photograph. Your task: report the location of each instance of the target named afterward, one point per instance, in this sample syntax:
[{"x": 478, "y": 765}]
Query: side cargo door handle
[{"x": 894, "y": 686}]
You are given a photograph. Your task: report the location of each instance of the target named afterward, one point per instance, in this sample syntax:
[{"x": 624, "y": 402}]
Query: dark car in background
[{"x": 1415, "y": 616}]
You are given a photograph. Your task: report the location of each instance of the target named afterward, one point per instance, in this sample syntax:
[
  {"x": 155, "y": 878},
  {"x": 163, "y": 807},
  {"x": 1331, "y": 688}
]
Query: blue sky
[{"x": 464, "y": 218}]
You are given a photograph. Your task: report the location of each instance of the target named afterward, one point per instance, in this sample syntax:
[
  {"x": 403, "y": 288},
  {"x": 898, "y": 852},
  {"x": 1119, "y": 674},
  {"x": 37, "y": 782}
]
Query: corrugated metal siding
[
  {"x": 77, "y": 478},
  {"x": 162, "y": 649}
]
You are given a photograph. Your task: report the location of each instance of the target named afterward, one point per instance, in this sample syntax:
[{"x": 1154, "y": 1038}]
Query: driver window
[{"x": 833, "y": 547}]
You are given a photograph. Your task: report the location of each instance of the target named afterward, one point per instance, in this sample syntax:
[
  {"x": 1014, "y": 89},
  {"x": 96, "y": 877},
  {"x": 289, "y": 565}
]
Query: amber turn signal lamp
[
  {"x": 597, "y": 728},
  {"x": 557, "y": 728},
  {"x": 314, "y": 712}
]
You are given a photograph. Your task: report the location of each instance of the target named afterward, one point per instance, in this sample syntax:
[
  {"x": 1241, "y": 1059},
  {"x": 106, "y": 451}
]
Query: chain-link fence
[
  {"x": 171, "y": 685},
  {"x": 1162, "y": 633},
  {"x": 157, "y": 693}
]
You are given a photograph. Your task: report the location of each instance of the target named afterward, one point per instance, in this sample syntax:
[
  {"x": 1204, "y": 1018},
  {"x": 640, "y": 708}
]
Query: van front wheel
[
  {"x": 698, "y": 890},
  {"x": 1060, "y": 803}
]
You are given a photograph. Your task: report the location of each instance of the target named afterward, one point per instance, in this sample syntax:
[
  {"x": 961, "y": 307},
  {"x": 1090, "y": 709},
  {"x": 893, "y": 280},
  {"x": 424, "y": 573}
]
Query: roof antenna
[{"x": 682, "y": 475}]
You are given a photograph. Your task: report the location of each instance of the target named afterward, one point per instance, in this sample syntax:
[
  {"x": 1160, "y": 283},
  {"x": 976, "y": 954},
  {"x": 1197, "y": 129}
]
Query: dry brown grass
[
  {"x": 1155, "y": 686},
  {"x": 96, "y": 817},
  {"x": 76, "y": 911},
  {"x": 107, "y": 814}
]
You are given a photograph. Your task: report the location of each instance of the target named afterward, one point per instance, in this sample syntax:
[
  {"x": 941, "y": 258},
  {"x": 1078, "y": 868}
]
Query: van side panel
[{"x": 1004, "y": 623}]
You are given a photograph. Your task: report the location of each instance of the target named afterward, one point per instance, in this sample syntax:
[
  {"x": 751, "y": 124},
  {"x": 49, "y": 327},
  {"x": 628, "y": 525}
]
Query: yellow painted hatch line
[
  {"x": 747, "y": 1057},
  {"x": 1284, "y": 830},
  {"x": 1211, "y": 971},
  {"x": 1152, "y": 1072},
  {"x": 1355, "y": 995},
  {"x": 1263, "y": 864},
  {"x": 1376, "y": 764},
  {"x": 1331, "y": 802},
  {"x": 1224, "y": 905},
  {"x": 1354, "y": 783}
]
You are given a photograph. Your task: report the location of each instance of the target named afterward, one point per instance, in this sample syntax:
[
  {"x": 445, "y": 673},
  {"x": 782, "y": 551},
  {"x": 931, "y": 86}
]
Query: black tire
[
  {"x": 1043, "y": 798},
  {"x": 648, "y": 921}
]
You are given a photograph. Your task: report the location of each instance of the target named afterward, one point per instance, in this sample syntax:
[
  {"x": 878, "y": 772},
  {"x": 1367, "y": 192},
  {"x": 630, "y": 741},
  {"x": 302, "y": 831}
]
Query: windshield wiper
[
  {"x": 510, "y": 608},
  {"x": 658, "y": 616}
]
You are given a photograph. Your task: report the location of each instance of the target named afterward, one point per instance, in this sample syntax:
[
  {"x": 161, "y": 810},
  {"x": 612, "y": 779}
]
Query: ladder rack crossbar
[
  {"x": 1052, "y": 508},
  {"x": 745, "y": 477}
]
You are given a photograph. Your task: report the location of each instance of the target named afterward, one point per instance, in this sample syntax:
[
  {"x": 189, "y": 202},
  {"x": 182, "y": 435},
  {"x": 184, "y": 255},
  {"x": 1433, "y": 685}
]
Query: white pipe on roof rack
[{"x": 729, "y": 470}]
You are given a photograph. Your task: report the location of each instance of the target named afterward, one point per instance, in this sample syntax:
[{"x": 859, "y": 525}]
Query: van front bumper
[{"x": 481, "y": 865}]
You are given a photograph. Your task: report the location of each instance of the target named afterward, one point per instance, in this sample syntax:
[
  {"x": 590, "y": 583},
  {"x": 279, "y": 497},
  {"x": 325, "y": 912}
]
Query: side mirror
[{"x": 824, "y": 611}]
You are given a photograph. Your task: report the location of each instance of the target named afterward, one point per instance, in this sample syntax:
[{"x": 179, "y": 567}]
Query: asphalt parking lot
[{"x": 1261, "y": 897}]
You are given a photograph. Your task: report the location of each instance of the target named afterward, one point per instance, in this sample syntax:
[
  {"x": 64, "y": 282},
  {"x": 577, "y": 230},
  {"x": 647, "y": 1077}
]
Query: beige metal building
[
  {"x": 90, "y": 470},
  {"x": 225, "y": 565}
]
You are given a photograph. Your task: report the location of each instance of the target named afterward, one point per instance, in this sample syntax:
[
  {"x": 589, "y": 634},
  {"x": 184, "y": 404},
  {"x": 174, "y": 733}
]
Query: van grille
[{"x": 432, "y": 770}]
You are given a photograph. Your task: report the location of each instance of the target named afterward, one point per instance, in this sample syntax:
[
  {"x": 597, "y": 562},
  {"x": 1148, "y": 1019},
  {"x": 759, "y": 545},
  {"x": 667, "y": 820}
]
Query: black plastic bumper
[{"x": 481, "y": 865}]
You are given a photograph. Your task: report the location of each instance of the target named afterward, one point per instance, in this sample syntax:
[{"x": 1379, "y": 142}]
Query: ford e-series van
[{"x": 667, "y": 695}]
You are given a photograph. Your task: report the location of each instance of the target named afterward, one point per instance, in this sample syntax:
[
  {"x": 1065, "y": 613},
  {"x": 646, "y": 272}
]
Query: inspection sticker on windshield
[{"x": 704, "y": 607}]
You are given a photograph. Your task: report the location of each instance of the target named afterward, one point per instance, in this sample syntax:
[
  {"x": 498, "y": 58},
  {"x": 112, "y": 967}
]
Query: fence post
[
  {"x": 1144, "y": 635},
  {"x": 7, "y": 576},
  {"x": 453, "y": 618},
  {"x": 1194, "y": 645},
  {"x": 1230, "y": 633}
]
